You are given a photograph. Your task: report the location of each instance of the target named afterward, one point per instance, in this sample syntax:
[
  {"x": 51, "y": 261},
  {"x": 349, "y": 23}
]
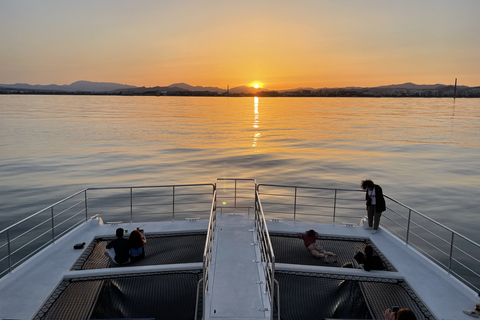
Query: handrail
[
  {"x": 38, "y": 212},
  {"x": 207, "y": 252},
  {"x": 30, "y": 234},
  {"x": 410, "y": 223},
  {"x": 266, "y": 252}
]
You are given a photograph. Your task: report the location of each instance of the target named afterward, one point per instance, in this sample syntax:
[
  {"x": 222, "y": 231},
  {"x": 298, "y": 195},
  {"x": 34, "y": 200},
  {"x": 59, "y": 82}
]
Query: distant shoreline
[{"x": 398, "y": 93}]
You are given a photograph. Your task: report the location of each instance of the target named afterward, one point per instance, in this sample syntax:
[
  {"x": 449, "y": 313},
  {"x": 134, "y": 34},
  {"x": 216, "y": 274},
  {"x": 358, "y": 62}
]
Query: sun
[{"x": 256, "y": 86}]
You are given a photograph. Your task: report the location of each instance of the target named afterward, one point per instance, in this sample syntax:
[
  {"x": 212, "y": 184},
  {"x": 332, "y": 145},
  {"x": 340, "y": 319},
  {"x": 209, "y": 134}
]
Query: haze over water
[{"x": 423, "y": 152}]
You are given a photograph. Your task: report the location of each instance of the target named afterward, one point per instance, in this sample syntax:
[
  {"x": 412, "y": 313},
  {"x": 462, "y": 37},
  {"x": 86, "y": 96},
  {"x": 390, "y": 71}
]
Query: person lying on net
[{"x": 310, "y": 240}]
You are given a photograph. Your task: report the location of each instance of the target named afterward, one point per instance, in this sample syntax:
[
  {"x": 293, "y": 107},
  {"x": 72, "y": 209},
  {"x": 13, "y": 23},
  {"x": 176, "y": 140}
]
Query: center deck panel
[{"x": 234, "y": 292}]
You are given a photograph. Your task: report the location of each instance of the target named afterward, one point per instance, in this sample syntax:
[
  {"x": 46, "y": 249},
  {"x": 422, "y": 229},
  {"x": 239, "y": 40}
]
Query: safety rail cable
[
  {"x": 38, "y": 232},
  {"x": 409, "y": 222},
  {"x": 207, "y": 252},
  {"x": 267, "y": 253}
]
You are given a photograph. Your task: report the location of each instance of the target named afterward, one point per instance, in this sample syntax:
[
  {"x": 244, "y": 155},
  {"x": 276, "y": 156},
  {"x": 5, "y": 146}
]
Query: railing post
[
  {"x": 235, "y": 199},
  {"x": 173, "y": 203},
  {"x": 53, "y": 226},
  {"x": 334, "y": 205},
  {"x": 408, "y": 225},
  {"x": 86, "y": 205},
  {"x": 451, "y": 254},
  {"x": 295, "y": 205},
  {"x": 9, "y": 251},
  {"x": 131, "y": 205}
]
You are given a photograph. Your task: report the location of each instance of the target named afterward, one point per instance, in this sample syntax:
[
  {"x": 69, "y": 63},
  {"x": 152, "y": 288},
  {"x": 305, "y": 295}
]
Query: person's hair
[
  {"x": 119, "y": 233},
  {"x": 405, "y": 314},
  {"x": 135, "y": 240},
  {"x": 368, "y": 250},
  {"x": 367, "y": 184},
  {"x": 311, "y": 233}
]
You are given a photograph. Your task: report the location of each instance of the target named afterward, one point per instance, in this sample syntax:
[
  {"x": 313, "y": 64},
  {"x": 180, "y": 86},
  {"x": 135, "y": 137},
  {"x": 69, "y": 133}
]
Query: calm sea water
[{"x": 423, "y": 152}]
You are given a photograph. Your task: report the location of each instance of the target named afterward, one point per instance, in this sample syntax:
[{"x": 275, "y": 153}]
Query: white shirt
[{"x": 371, "y": 194}]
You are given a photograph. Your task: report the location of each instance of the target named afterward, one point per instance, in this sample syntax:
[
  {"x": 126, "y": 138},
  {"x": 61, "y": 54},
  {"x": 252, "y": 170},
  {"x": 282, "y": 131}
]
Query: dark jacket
[
  {"x": 380, "y": 200},
  {"x": 120, "y": 245},
  {"x": 369, "y": 263}
]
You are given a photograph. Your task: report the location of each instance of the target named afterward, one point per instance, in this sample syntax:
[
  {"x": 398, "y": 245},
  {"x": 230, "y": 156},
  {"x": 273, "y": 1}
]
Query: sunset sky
[{"x": 279, "y": 44}]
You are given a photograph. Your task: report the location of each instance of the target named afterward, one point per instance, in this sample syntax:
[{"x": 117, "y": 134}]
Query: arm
[{"x": 388, "y": 315}]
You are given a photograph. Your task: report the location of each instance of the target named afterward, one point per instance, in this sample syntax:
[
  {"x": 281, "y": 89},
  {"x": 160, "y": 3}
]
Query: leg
[
  {"x": 335, "y": 257},
  {"x": 370, "y": 213},
  {"x": 319, "y": 255},
  {"x": 111, "y": 253},
  {"x": 377, "y": 220}
]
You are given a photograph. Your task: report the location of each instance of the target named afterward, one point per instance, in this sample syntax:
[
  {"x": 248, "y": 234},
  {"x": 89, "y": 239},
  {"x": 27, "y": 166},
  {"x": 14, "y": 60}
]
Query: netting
[
  {"x": 159, "y": 249},
  {"x": 289, "y": 248},
  {"x": 319, "y": 296},
  {"x": 165, "y": 295}
]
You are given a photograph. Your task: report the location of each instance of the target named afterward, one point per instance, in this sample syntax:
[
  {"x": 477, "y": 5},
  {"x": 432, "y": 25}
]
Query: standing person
[
  {"x": 117, "y": 249},
  {"x": 310, "y": 240},
  {"x": 136, "y": 241},
  {"x": 375, "y": 203}
]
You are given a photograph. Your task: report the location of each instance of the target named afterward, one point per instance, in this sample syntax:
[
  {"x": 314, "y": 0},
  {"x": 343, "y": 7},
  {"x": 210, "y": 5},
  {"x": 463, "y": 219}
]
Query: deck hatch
[
  {"x": 290, "y": 249},
  {"x": 318, "y": 296},
  {"x": 160, "y": 249},
  {"x": 160, "y": 295}
]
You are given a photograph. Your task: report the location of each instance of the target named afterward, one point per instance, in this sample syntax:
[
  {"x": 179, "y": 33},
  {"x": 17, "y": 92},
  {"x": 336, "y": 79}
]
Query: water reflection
[{"x": 257, "y": 134}]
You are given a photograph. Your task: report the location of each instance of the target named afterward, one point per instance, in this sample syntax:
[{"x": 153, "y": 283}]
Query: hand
[{"x": 388, "y": 315}]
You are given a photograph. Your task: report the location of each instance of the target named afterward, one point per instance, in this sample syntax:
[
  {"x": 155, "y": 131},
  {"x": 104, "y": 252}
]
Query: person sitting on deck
[
  {"x": 117, "y": 249},
  {"x": 402, "y": 314},
  {"x": 368, "y": 261},
  {"x": 310, "y": 240},
  {"x": 136, "y": 242}
]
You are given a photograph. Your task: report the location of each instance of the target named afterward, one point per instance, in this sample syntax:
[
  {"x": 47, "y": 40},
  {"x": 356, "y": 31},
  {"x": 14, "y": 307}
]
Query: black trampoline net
[
  {"x": 159, "y": 249},
  {"x": 289, "y": 248},
  {"x": 320, "y": 296},
  {"x": 165, "y": 295}
]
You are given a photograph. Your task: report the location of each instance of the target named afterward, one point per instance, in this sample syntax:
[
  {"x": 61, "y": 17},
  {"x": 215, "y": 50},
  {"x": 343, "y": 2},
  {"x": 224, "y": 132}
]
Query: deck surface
[
  {"x": 232, "y": 268},
  {"x": 235, "y": 292},
  {"x": 444, "y": 295}
]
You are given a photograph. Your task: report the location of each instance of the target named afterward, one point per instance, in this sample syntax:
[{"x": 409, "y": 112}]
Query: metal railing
[
  {"x": 457, "y": 254},
  {"x": 27, "y": 237},
  {"x": 233, "y": 194},
  {"x": 267, "y": 255},
  {"x": 207, "y": 253}
]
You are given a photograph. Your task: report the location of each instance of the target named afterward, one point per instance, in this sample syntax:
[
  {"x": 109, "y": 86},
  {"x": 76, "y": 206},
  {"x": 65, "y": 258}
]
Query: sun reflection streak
[{"x": 256, "y": 121}]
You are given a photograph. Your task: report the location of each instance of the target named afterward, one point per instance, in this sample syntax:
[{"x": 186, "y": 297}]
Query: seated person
[
  {"x": 117, "y": 249},
  {"x": 310, "y": 240},
  {"x": 136, "y": 242},
  {"x": 402, "y": 314},
  {"x": 368, "y": 261}
]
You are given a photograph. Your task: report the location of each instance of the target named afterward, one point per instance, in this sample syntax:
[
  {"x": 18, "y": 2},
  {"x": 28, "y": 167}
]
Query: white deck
[
  {"x": 444, "y": 295},
  {"x": 24, "y": 291},
  {"x": 234, "y": 293}
]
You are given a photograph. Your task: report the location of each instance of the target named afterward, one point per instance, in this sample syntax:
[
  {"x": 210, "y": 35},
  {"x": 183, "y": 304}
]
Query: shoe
[
  {"x": 471, "y": 313},
  {"x": 374, "y": 231}
]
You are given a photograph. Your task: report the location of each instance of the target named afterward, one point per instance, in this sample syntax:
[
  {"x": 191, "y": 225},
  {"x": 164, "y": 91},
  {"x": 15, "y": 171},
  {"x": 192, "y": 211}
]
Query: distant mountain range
[
  {"x": 76, "y": 86},
  {"x": 88, "y": 86}
]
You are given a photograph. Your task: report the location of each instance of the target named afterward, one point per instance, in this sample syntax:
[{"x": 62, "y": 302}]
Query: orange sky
[{"x": 281, "y": 44}]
